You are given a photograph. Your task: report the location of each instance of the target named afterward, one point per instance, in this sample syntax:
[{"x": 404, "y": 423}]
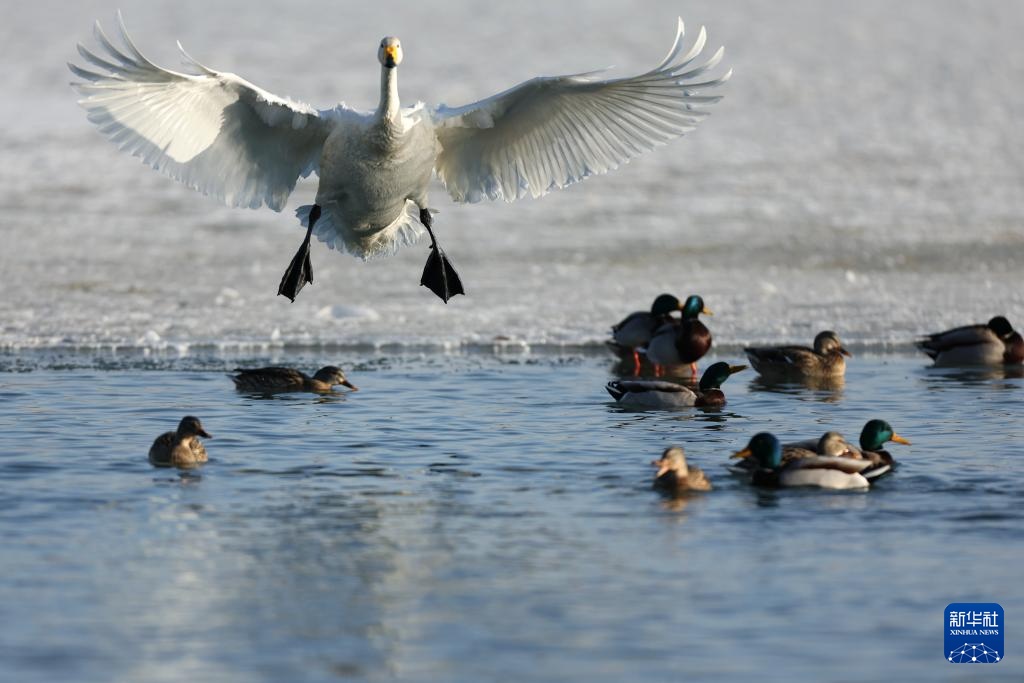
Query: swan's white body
[{"x": 223, "y": 136}]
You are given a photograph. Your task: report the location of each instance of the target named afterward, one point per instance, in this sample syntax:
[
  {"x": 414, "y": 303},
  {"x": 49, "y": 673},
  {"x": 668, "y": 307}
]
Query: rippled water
[
  {"x": 479, "y": 510},
  {"x": 489, "y": 517}
]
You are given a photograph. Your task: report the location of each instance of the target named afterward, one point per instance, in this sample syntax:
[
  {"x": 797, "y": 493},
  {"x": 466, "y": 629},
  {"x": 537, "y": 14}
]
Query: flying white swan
[{"x": 223, "y": 136}]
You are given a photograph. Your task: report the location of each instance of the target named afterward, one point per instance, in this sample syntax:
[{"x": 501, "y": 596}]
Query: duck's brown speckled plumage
[
  {"x": 275, "y": 379},
  {"x": 824, "y": 360},
  {"x": 180, "y": 448},
  {"x": 675, "y": 476}
]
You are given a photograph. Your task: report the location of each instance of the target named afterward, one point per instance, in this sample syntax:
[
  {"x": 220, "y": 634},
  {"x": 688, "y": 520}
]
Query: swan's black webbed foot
[
  {"x": 300, "y": 270},
  {"x": 439, "y": 275}
]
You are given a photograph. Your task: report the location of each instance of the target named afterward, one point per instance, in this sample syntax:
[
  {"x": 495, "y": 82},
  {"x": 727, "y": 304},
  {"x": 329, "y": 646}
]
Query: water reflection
[
  {"x": 328, "y": 397},
  {"x": 975, "y": 375},
  {"x": 824, "y": 389},
  {"x": 626, "y": 368}
]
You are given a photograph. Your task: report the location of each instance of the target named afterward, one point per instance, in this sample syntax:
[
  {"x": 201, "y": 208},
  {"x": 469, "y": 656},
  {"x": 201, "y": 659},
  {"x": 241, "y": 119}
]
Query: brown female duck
[
  {"x": 181, "y": 448},
  {"x": 824, "y": 360},
  {"x": 274, "y": 379},
  {"x": 675, "y": 477}
]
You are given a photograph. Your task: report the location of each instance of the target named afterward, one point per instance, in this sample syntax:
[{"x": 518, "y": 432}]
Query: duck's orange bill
[
  {"x": 899, "y": 439},
  {"x": 745, "y": 453}
]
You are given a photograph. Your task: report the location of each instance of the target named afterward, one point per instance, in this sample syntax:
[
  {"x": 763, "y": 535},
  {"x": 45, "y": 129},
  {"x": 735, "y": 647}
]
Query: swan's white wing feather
[
  {"x": 550, "y": 132},
  {"x": 213, "y": 131}
]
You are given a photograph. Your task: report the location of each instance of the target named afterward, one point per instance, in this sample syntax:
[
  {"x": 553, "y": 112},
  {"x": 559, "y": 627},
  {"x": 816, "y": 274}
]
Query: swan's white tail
[{"x": 332, "y": 231}]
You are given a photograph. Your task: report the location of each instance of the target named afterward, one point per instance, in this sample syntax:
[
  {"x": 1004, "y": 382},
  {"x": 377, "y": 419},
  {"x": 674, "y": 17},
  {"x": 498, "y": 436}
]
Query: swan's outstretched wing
[
  {"x": 550, "y": 132},
  {"x": 213, "y": 131}
]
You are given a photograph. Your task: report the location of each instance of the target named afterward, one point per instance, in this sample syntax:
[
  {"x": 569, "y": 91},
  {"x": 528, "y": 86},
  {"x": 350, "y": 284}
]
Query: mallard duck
[
  {"x": 682, "y": 342},
  {"x": 181, "y": 448},
  {"x": 675, "y": 477},
  {"x": 658, "y": 394},
  {"x": 223, "y": 136},
  {"x": 990, "y": 344},
  {"x": 831, "y": 444},
  {"x": 276, "y": 379},
  {"x": 828, "y": 472},
  {"x": 873, "y": 437},
  {"x": 824, "y": 360},
  {"x": 636, "y": 329}
]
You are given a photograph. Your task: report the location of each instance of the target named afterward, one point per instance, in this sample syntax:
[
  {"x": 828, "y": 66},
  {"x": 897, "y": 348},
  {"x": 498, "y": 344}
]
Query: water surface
[{"x": 473, "y": 517}]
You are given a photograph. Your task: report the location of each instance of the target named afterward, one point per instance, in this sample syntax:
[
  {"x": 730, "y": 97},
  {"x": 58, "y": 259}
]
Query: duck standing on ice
[{"x": 223, "y": 136}]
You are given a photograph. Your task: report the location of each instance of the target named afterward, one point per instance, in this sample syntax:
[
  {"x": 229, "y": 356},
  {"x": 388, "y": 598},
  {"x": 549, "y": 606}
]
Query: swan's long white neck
[{"x": 389, "y": 109}]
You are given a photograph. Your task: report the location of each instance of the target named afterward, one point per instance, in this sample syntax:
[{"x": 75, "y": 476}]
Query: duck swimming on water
[
  {"x": 180, "y": 448},
  {"x": 662, "y": 395},
  {"x": 275, "y": 379},
  {"x": 993, "y": 343},
  {"x": 223, "y": 136},
  {"x": 824, "y": 360},
  {"x": 829, "y": 472},
  {"x": 675, "y": 477}
]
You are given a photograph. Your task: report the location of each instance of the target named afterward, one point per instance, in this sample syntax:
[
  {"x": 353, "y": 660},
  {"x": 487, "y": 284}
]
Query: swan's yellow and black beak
[{"x": 391, "y": 56}]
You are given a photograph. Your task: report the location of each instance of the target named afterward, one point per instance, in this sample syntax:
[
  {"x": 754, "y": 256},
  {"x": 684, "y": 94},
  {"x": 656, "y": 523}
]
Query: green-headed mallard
[
  {"x": 824, "y": 360},
  {"x": 682, "y": 342},
  {"x": 276, "y": 379},
  {"x": 675, "y": 477},
  {"x": 181, "y": 448},
  {"x": 830, "y": 444},
  {"x": 824, "y": 471},
  {"x": 661, "y": 395},
  {"x": 873, "y": 437},
  {"x": 636, "y": 329},
  {"x": 993, "y": 343}
]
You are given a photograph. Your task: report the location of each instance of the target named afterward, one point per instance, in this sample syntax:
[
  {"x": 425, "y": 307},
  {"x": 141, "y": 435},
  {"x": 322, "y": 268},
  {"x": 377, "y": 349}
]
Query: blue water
[
  {"x": 480, "y": 511},
  {"x": 477, "y": 517}
]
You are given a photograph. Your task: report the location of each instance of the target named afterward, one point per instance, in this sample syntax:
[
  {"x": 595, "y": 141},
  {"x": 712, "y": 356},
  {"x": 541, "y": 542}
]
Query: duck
[
  {"x": 228, "y": 138},
  {"x": 831, "y": 444},
  {"x": 826, "y": 359},
  {"x": 873, "y": 437},
  {"x": 675, "y": 477},
  {"x": 636, "y": 329},
  {"x": 682, "y": 342},
  {"x": 992, "y": 343},
  {"x": 829, "y": 472},
  {"x": 662, "y": 395},
  {"x": 274, "y": 379},
  {"x": 182, "y": 447}
]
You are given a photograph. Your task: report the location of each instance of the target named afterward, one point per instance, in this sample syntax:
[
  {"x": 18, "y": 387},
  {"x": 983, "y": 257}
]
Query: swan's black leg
[
  {"x": 300, "y": 270},
  {"x": 439, "y": 275}
]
